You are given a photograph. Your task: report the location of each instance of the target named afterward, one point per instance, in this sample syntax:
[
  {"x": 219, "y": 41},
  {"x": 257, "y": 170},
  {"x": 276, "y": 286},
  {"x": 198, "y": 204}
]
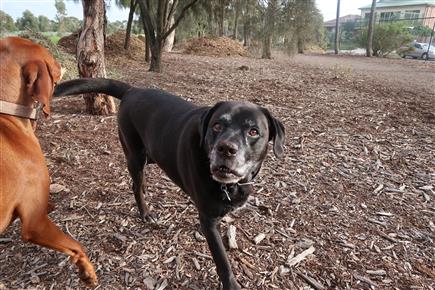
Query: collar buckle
[
  {"x": 38, "y": 107},
  {"x": 224, "y": 189}
]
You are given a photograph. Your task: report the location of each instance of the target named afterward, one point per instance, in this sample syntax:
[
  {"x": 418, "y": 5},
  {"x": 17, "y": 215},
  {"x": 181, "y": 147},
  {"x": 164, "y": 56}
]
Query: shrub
[
  {"x": 387, "y": 37},
  {"x": 66, "y": 60},
  {"x": 421, "y": 30}
]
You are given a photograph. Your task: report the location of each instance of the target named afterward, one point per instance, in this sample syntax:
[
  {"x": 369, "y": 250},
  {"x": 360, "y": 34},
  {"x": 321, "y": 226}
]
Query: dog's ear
[
  {"x": 276, "y": 133},
  {"x": 39, "y": 83},
  {"x": 55, "y": 69},
  {"x": 204, "y": 120}
]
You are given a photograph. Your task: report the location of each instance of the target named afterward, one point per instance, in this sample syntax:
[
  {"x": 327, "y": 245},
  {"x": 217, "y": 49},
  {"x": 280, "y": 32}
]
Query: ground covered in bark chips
[{"x": 351, "y": 206}]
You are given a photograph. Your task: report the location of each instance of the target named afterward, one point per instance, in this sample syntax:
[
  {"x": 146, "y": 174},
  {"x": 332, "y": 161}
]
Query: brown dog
[{"x": 28, "y": 74}]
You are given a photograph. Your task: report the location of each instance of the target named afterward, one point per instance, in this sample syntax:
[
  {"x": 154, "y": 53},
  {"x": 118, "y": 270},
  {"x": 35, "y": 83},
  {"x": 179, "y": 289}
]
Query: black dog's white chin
[{"x": 225, "y": 175}]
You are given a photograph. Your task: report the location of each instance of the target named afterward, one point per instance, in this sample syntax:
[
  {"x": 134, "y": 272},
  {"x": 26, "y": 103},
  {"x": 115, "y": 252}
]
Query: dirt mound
[
  {"x": 219, "y": 46},
  {"x": 114, "y": 45},
  {"x": 315, "y": 49},
  {"x": 69, "y": 42}
]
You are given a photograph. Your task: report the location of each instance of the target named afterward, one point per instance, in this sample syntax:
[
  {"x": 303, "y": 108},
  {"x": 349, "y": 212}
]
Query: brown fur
[{"x": 28, "y": 74}]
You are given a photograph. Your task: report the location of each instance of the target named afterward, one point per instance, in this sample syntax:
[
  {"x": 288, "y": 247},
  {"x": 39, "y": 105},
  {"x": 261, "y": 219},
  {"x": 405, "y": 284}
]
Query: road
[{"x": 410, "y": 74}]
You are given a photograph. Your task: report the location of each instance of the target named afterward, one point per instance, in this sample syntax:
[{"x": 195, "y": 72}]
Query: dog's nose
[{"x": 227, "y": 148}]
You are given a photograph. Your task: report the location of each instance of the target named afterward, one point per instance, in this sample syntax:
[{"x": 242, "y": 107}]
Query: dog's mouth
[{"x": 224, "y": 174}]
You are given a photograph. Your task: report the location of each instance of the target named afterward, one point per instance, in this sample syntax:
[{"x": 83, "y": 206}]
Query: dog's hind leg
[{"x": 136, "y": 159}]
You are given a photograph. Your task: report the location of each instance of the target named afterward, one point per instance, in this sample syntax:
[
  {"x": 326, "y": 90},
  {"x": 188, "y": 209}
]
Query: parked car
[{"x": 417, "y": 50}]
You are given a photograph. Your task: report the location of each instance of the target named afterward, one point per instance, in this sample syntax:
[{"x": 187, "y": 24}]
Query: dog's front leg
[{"x": 217, "y": 249}]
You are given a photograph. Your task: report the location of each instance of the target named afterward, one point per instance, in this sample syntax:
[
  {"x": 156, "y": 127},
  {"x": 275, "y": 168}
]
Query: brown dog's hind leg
[{"x": 44, "y": 232}]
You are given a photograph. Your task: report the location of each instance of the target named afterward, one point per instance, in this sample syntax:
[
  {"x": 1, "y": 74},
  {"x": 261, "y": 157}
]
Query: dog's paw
[
  {"x": 149, "y": 218},
  {"x": 89, "y": 280},
  {"x": 232, "y": 285},
  {"x": 86, "y": 270},
  {"x": 89, "y": 277}
]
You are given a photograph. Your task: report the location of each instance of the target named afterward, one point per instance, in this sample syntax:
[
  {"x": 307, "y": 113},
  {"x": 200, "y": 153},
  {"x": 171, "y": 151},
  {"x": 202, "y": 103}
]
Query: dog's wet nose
[{"x": 227, "y": 148}]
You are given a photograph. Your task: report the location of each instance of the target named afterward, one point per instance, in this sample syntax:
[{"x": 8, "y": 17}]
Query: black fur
[{"x": 212, "y": 153}]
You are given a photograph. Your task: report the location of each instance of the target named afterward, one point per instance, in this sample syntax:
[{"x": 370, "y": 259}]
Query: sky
[
  {"x": 15, "y": 8},
  {"x": 329, "y": 7}
]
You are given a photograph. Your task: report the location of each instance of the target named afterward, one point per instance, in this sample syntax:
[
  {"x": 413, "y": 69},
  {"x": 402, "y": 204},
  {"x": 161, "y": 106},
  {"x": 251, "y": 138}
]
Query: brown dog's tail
[{"x": 91, "y": 85}]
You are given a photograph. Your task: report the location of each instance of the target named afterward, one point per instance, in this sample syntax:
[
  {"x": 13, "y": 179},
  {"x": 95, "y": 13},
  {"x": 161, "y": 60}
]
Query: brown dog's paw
[
  {"x": 86, "y": 270},
  {"x": 89, "y": 277}
]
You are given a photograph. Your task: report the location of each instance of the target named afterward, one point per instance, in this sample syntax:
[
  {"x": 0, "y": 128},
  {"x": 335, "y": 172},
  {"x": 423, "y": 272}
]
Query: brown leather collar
[{"x": 19, "y": 110}]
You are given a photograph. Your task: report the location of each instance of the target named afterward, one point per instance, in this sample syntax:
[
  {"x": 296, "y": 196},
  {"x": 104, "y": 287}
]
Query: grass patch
[
  {"x": 54, "y": 38},
  {"x": 67, "y": 61}
]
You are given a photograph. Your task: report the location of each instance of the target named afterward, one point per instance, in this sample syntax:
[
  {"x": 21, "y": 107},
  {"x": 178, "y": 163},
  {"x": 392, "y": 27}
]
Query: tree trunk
[
  {"x": 147, "y": 32},
  {"x": 90, "y": 55},
  {"x": 156, "y": 57},
  {"x": 337, "y": 29},
  {"x": 301, "y": 45},
  {"x": 247, "y": 27},
  {"x": 133, "y": 4},
  {"x": 169, "y": 41},
  {"x": 269, "y": 25},
  {"x": 147, "y": 49},
  {"x": 157, "y": 28},
  {"x": 267, "y": 43},
  {"x": 221, "y": 15},
  {"x": 369, "y": 48},
  {"x": 247, "y": 34},
  {"x": 236, "y": 19},
  {"x": 212, "y": 31}
]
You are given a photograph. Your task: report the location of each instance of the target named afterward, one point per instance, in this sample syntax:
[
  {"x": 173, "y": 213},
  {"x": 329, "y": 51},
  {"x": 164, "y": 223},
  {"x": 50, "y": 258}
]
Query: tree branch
[
  {"x": 146, "y": 18},
  {"x": 171, "y": 14},
  {"x": 177, "y": 21},
  {"x": 160, "y": 19}
]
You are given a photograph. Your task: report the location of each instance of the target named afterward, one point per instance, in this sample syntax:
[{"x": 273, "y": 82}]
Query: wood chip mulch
[{"x": 351, "y": 206}]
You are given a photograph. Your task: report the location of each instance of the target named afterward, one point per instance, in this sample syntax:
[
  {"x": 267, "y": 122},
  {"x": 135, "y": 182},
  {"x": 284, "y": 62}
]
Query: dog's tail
[{"x": 92, "y": 85}]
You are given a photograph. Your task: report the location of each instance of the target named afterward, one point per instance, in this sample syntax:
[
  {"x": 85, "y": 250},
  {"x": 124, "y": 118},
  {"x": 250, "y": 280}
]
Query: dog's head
[
  {"x": 235, "y": 135},
  {"x": 39, "y": 70}
]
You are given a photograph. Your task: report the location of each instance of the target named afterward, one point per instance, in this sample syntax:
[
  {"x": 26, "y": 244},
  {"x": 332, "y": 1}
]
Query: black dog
[{"x": 212, "y": 153}]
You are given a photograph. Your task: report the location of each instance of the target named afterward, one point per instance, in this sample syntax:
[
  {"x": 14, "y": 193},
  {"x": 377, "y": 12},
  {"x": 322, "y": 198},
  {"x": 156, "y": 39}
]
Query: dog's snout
[{"x": 227, "y": 148}]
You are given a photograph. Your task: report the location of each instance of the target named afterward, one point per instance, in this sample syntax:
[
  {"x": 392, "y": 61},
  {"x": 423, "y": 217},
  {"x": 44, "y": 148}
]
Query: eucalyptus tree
[
  {"x": 6, "y": 22},
  {"x": 337, "y": 29},
  {"x": 157, "y": 25},
  {"x": 60, "y": 14},
  {"x": 369, "y": 48},
  {"x": 132, "y": 5},
  {"x": 271, "y": 7},
  {"x": 90, "y": 54}
]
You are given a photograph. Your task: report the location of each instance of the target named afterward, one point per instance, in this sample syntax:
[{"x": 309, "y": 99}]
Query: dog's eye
[
  {"x": 218, "y": 127},
  {"x": 253, "y": 133}
]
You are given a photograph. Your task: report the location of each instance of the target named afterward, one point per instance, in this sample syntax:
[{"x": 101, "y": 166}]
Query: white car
[{"x": 417, "y": 50}]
